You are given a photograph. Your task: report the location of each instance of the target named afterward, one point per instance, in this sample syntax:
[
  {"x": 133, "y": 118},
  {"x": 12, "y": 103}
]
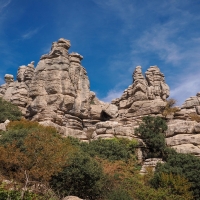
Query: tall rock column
[
  {"x": 51, "y": 89},
  {"x": 60, "y": 87},
  {"x": 81, "y": 84}
]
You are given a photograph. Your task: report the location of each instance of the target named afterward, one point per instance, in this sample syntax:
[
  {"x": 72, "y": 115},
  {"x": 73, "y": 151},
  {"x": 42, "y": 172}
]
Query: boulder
[
  {"x": 187, "y": 149},
  {"x": 2, "y": 127},
  {"x": 150, "y": 165},
  {"x": 180, "y": 127},
  {"x": 72, "y": 198},
  {"x": 183, "y": 139}
]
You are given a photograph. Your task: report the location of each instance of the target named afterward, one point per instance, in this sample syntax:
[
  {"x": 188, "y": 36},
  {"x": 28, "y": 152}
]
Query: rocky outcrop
[
  {"x": 3, "y": 125},
  {"x": 184, "y": 136},
  {"x": 58, "y": 90},
  {"x": 147, "y": 95},
  {"x": 72, "y": 198},
  {"x": 57, "y": 93},
  {"x": 149, "y": 165},
  {"x": 59, "y": 87}
]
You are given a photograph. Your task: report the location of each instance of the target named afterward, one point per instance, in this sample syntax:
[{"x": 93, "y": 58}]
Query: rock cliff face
[
  {"x": 147, "y": 95},
  {"x": 57, "y": 90},
  {"x": 57, "y": 93}
]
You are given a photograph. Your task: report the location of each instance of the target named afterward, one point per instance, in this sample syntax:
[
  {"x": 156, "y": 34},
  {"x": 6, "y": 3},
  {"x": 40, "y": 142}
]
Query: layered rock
[
  {"x": 147, "y": 95},
  {"x": 58, "y": 90},
  {"x": 57, "y": 93},
  {"x": 149, "y": 165}
]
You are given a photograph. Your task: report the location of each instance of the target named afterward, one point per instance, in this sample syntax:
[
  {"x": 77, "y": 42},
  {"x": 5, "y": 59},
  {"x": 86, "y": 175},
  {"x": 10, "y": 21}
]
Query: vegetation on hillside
[
  {"x": 40, "y": 164},
  {"x": 152, "y": 130},
  {"x": 9, "y": 111}
]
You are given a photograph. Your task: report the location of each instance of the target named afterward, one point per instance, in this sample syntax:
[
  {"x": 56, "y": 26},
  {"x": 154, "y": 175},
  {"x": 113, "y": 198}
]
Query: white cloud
[
  {"x": 158, "y": 40},
  {"x": 30, "y": 33},
  {"x": 186, "y": 87},
  {"x": 112, "y": 94}
]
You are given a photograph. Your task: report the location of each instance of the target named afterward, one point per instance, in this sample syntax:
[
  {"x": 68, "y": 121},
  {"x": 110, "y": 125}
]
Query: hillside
[{"x": 56, "y": 93}]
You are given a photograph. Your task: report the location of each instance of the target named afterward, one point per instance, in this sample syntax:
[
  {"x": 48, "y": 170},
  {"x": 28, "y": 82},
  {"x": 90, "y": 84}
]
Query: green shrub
[
  {"x": 9, "y": 111},
  {"x": 152, "y": 130},
  {"x": 82, "y": 177},
  {"x": 15, "y": 194},
  {"x": 112, "y": 149},
  {"x": 18, "y": 130},
  {"x": 32, "y": 148},
  {"x": 183, "y": 165},
  {"x": 118, "y": 194}
]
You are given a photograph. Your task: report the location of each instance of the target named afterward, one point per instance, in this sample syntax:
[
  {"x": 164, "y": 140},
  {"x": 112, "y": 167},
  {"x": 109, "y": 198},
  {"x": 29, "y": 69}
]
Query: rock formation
[
  {"x": 183, "y": 132},
  {"x": 147, "y": 95},
  {"x": 57, "y": 93},
  {"x": 58, "y": 90}
]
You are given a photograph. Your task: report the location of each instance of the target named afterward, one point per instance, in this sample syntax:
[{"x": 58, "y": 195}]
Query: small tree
[
  {"x": 9, "y": 111},
  {"x": 38, "y": 153},
  {"x": 82, "y": 176},
  {"x": 112, "y": 149},
  {"x": 180, "y": 166},
  {"x": 152, "y": 132},
  {"x": 169, "y": 109}
]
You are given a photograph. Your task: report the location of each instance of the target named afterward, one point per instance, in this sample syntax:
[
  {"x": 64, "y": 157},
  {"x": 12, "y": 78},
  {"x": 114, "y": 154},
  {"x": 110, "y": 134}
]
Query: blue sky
[{"x": 114, "y": 36}]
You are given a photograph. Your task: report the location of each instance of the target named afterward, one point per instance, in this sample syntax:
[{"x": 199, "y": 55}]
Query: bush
[
  {"x": 39, "y": 152},
  {"x": 17, "y": 131},
  {"x": 152, "y": 132},
  {"x": 82, "y": 177},
  {"x": 9, "y": 111},
  {"x": 112, "y": 149},
  {"x": 183, "y": 166},
  {"x": 118, "y": 194},
  {"x": 16, "y": 195},
  {"x": 195, "y": 117},
  {"x": 128, "y": 183},
  {"x": 169, "y": 109}
]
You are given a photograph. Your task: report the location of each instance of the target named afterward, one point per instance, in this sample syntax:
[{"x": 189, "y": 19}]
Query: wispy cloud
[
  {"x": 29, "y": 34},
  {"x": 169, "y": 40},
  {"x": 112, "y": 94},
  {"x": 186, "y": 87},
  {"x": 4, "y": 4},
  {"x": 157, "y": 40}
]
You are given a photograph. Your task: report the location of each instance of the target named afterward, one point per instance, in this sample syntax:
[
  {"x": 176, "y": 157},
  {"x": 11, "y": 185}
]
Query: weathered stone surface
[
  {"x": 9, "y": 78},
  {"x": 191, "y": 102},
  {"x": 57, "y": 93},
  {"x": 145, "y": 96},
  {"x": 183, "y": 139},
  {"x": 197, "y": 128},
  {"x": 104, "y": 136},
  {"x": 76, "y": 133},
  {"x": 72, "y": 198},
  {"x": 146, "y": 107},
  {"x": 60, "y": 129},
  {"x": 150, "y": 165},
  {"x": 2, "y": 127},
  {"x": 180, "y": 127},
  {"x": 187, "y": 149}
]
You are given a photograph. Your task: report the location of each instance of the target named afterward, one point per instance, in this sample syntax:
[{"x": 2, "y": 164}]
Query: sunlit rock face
[
  {"x": 147, "y": 94},
  {"x": 57, "y": 93},
  {"x": 59, "y": 86},
  {"x": 57, "y": 90}
]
